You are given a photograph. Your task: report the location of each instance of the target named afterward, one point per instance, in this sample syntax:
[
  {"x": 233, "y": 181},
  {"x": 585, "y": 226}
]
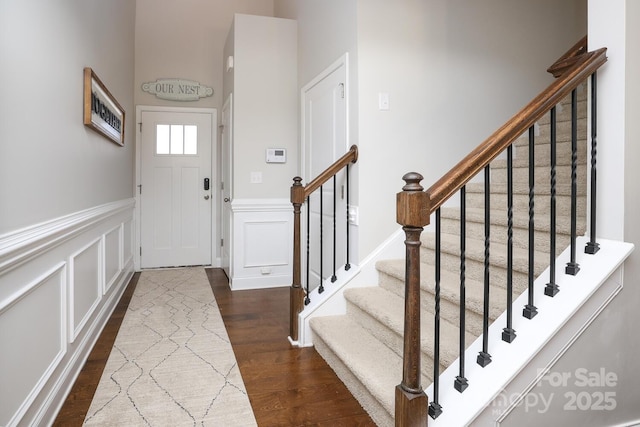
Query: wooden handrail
[
  {"x": 299, "y": 194},
  {"x": 414, "y": 207},
  {"x": 350, "y": 156},
  {"x": 569, "y": 58},
  {"x": 488, "y": 150}
]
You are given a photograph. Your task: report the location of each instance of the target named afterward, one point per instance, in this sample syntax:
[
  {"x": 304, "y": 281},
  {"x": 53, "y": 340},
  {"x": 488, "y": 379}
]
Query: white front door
[
  {"x": 325, "y": 140},
  {"x": 177, "y": 187},
  {"x": 225, "y": 165}
]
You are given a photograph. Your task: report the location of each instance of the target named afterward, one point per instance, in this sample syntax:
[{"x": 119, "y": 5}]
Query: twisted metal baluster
[
  {"x": 484, "y": 358},
  {"x": 508, "y": 333},
  {"x": 552, "y": 288},
  {"x": 573, "y": 267},
  {"x": 434, "y": 407},
  {"x": 592, "y": 246},
  {"x": 461, "y": 383},
  {"x": 530, "y": 309}
]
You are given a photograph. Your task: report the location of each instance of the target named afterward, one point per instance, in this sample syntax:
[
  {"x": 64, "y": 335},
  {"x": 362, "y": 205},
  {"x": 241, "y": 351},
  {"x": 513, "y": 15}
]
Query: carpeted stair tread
[
  {"x": 450, "y": 244},
  {"x": 449, "y": 287},
  {"x": 388, "y": 310},
  {"x": 375, "y": 365},
  {"x": 499, "y": 217},
  {"x": 542, "y": 156},
  {"x": 520, "y": 189}
]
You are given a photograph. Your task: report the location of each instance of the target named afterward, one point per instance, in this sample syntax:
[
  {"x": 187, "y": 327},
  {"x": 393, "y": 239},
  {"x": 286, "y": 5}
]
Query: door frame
[
  {"x": 215, "y": 186},
  {"x": 339, "y": 65},
  {"x": 342, "y": 62},
  {"x": 226, "y": 177}
]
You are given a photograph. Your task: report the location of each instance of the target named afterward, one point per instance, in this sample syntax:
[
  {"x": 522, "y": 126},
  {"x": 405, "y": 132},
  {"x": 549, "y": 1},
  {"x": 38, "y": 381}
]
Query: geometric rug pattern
[{"x": 172, "y": 363}]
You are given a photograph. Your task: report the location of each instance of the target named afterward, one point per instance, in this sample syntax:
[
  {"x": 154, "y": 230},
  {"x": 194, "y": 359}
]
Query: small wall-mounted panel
[
  {"x": 33, "y": 340},
  {"x": 85, "y": 286}
]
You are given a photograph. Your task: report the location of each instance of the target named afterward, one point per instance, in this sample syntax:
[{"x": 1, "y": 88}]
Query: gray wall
[
  {"x": 50, "y": 163},
  {"x": 442, "y": 62}
]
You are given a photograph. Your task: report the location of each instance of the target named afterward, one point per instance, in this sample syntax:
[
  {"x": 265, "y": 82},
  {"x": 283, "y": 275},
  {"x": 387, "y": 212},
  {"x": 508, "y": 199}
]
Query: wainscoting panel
[
  {"x": 113, "y": 253},
  {"x": 32, "y": 333},
  {"x": 261, "y": 244},
  {"x": 59, "y": 283},
  {"x": 127, "y": 242},
  {"x": 85, "y": 286},
  {"x": 259, "y": 247}
]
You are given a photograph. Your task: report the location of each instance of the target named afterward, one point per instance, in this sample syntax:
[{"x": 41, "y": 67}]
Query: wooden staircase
[{"x": 365, "y": 346}]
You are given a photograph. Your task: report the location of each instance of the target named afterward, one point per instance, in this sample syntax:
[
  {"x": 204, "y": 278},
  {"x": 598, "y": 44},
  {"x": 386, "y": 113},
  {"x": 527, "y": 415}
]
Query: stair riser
[
  {"x": 449, "y": 310},
  {"x": 474, "y": 270},
  {"x": 391, "y": 339},
  {"x": 563, "y": 112},
  {"x": 542, "y": 155},
  {"x": 542, "y": 175},
  {"x": 541, "y": 203},
  {"x": 563, "y": 132},
  {"x": 498, "y": 234},
  {"x": 376, "y": 409}
]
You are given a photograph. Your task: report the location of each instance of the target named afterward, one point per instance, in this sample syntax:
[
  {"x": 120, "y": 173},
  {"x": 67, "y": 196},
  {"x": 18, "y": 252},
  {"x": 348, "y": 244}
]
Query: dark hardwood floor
[{"x": 286, "y": 386}]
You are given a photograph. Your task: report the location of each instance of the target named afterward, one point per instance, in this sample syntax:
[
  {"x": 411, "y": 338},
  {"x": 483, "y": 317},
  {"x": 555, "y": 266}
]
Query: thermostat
[{"x": 276, "y": 155}]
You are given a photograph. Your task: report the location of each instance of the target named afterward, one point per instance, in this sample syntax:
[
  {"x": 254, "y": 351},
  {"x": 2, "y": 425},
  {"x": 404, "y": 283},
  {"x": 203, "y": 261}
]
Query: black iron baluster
[
  {"x": 484, "y": 358},
  {"x": 333, "y": 277},
  {"x": 592, "y": 246},
  {"x": 306, "y": 298},
  {"x": 347, "y": 266},
  {"x": 508, "y": 333},
  {"x": 552, "y": 288},
  {"x": 461, "y": 383},
  {"x": 434, "y": 407},
  {"x": 530, "y": 309},
  {"x": 321, "y": 287},
  {"x": 572, "y": 267}
]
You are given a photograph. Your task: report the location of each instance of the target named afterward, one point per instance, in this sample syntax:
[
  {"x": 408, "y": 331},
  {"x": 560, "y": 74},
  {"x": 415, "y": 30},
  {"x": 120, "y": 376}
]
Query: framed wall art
[{"x": 102, "y": 112}]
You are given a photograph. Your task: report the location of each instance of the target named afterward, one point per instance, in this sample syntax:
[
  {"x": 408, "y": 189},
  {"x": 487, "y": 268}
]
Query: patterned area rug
[{"x": 172, "y": 363}]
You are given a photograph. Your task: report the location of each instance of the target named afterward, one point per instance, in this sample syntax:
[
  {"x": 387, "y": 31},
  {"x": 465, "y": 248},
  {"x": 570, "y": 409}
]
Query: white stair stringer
[{"x": 495, "y": 390}]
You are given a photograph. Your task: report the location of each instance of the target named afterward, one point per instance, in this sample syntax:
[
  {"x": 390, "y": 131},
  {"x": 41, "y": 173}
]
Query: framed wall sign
[{"x": 102, "y": 112}]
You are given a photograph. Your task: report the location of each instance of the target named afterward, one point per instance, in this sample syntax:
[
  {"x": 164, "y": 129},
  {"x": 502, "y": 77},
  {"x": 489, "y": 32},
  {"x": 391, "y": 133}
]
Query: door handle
[
  {"x": 206, "y": 197},
  {"x": 226, "y": 199}
]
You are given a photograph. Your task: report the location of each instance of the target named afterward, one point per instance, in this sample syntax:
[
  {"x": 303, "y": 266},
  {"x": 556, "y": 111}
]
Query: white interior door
[
  {"x": 226, "y": 167},
  {"x": 177, "y": 185},
  {"x": 325, "y": 140}
]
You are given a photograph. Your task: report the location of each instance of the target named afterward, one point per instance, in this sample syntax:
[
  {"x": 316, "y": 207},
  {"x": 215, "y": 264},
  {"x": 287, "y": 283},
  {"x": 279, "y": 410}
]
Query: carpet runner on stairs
[{"x": 364, "y": 346}]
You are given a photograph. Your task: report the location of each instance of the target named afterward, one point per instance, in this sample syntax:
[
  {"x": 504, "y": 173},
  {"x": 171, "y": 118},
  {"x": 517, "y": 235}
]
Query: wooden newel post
[
  {"x": 412, "y": 207},
  {"x": 296, "y": 295}
]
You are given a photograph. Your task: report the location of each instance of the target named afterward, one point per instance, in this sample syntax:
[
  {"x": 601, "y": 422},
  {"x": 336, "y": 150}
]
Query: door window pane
[
  {"x": 177, "y": 139},
  {"x": 162, "y": 139},
  {"x": 190, "y": 139}
]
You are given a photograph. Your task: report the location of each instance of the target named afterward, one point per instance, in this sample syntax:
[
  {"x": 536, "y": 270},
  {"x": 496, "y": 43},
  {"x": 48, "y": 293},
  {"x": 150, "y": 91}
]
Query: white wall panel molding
[
  {"x": 52, "y": 402},
  {"x": 34, "y": 341},
  {"x": 261, "y": 205},
  {"x": 112, "y": 247},
  {"x": 59, "y": 283},
  {"x": 262, "y": 248},
  {"x": 22, "y": 245},
  {"x": 85, "y": 285}
]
